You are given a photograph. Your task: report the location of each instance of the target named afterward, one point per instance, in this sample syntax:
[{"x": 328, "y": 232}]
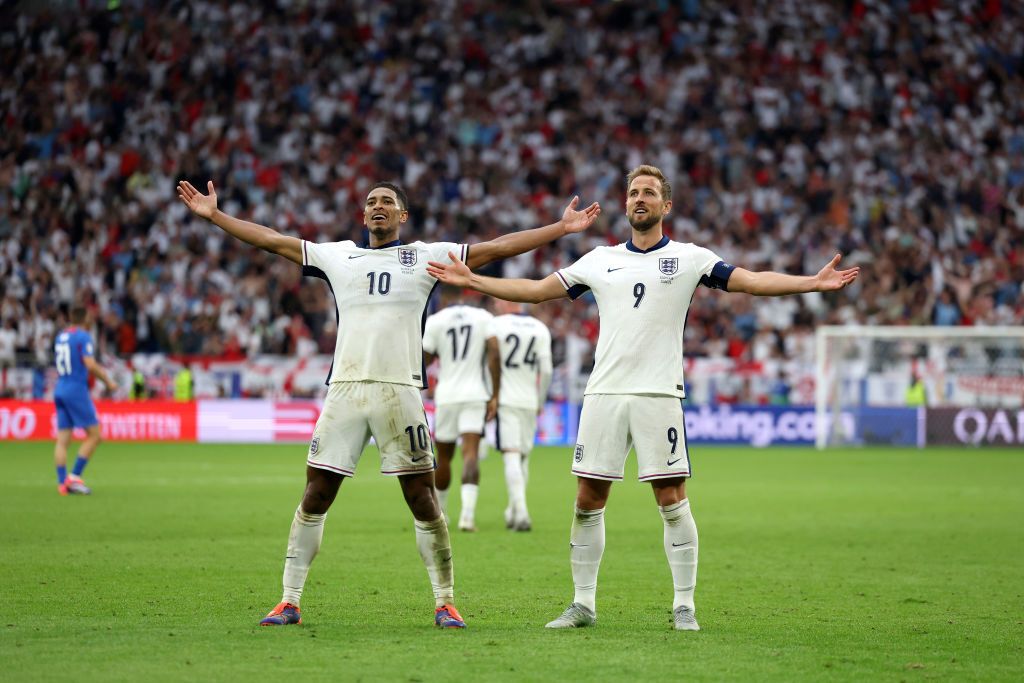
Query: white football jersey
[
  {"x": 642, "y": 298},
  {"x": 525, "y": 344},
  {"x": 457, "y": 335},
  {"x": 380, "y": 297}
]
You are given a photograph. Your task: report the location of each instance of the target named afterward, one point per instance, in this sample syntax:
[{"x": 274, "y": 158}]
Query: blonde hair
[{"x": 654, "y": 172}]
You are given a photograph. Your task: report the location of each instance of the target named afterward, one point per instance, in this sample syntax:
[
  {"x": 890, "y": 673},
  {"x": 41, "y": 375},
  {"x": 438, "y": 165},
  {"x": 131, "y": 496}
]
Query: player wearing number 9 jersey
[
  {"x": 381, "y": 292},
  {"x": 73, "y": 356},
  {"x": 642, "y": 289}
]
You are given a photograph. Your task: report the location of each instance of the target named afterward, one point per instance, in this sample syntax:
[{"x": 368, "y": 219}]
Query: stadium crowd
[{"x": 890, "y": 131}]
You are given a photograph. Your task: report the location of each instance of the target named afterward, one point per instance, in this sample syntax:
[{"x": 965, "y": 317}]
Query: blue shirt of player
[{"x": 69, "y": 351}]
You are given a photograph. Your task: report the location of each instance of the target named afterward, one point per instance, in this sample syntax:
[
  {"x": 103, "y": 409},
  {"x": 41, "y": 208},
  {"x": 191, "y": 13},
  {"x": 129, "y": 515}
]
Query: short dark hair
[
  {"x": 654, "y": 172},
  {"x": 77, "y": 314},
  {"x": 403, "y": 199}
]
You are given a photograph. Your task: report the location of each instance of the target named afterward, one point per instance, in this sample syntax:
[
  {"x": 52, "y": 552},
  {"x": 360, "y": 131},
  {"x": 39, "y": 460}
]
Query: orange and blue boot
[
  {"x": 285, "y": 613},
  {"x": 446, "y": 616}
]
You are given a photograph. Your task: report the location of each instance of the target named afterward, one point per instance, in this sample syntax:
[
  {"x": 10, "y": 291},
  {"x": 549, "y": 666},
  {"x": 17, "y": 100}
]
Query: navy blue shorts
[{"x": 75, "y": 409}]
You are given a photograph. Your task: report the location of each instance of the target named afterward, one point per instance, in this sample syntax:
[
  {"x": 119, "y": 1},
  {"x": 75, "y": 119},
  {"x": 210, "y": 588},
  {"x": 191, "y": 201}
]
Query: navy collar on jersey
[
  {"x": 662, "y": 242},
  {"x": 393, "y": 243}
]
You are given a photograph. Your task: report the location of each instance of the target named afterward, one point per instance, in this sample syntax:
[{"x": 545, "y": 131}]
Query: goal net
[{"x": 972, "y": 379}]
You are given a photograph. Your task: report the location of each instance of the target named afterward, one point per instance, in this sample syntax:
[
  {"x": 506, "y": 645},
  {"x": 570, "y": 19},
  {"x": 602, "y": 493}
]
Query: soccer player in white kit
[
  {"x": 381, "y": 294},
  {"x": 525, "y": 346},
  {"x": 634, "y": 396},
  {"x": 463, "y": 401}
]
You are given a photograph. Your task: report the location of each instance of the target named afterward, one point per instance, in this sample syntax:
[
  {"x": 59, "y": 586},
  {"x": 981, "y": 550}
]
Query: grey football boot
[
  {"x": 574, "y": 616},
  {"x": 684, "y": 618}
]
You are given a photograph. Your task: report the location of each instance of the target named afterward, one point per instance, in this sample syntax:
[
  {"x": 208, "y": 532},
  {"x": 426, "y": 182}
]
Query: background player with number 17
[
  {"x": 457, "y": 335},
  {"x": 643, "y": 289}
]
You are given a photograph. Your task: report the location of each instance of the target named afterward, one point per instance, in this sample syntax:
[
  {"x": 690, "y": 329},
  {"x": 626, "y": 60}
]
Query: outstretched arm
[
  {"x": 768, "y": 283},
  {"x": 519, "y": 242},
  {"x": 458, "y": 274},
  {"x": 267, "y": 239}
]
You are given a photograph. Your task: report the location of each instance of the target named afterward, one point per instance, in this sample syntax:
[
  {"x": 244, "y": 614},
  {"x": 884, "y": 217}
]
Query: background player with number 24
[
  {"x": 643, "y": 289},
  {"x": 525, "y": 348}
]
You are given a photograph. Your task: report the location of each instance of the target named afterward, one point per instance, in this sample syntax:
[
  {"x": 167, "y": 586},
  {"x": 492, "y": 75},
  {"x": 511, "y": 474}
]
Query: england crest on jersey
[
  {"x": 578, "y": 456},
  {"x": 314, "y": 445},
  {"x": 407, "y": 257},
  {"x": 668, "y": 266}
]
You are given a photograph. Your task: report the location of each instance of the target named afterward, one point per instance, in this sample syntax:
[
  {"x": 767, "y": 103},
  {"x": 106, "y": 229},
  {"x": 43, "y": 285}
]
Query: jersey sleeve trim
[
  {"x": 574, "y": 291},
  {"x": 313, "y": 271},
  {"x": 718, "y": 278}
]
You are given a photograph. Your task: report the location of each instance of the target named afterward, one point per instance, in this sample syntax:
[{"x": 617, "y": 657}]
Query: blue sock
[
  {"x": 80, "y": 464},
  {"x": 62, "y": 474}
]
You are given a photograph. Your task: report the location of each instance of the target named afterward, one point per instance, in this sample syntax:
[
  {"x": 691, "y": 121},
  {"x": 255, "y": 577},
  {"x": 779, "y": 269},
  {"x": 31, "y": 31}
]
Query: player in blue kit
[{"x": 73, "y": 355}]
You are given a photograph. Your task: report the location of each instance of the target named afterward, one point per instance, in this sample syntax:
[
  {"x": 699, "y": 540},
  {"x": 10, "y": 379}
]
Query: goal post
[{"x": 862, "y": 374}]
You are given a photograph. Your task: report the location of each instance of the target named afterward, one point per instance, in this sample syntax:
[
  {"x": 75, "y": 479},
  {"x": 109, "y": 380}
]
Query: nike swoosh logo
[
  {"x": 357, "y": 256},
  {"x": 679, "y": 545},
  {"x": 290, "y": 557},
  {"x": 419, "y": 458},
  {"x": 447, "y": 559},
  {"x": 578, "y": 545},
  {"x": 672, "y": 462},
  {"x": 612, "y": 270}
]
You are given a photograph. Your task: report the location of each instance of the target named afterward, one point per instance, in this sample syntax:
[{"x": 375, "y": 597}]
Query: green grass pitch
[{"x": 847, "y": 565}]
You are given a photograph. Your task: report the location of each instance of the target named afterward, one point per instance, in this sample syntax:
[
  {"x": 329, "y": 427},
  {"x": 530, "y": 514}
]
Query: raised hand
[
  {"x": 455, "y": 273},
  {"x": 577, "y": 221},
  {"x": 830, "y": 279},
  {"x": 202, "y": 205}
]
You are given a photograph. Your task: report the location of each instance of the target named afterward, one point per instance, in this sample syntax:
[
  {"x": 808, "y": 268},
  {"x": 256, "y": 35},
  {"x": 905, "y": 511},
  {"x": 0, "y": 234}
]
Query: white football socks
[
  {"x": 586, "y": 546},
  {"x": 442, "y": 499},
  {"x": 303, "y": 544},
  {"x": 681, "y": 550},
  {"x": 516, "y": 484},
  {"x": 469, "y": 495},
  {"x": 436, "y": 550}
]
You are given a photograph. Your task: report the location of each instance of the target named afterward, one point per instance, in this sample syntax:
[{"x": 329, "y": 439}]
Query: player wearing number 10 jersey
[
  {"x": 643, "y": 289},
  {"x": 381, "y": 294}
]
